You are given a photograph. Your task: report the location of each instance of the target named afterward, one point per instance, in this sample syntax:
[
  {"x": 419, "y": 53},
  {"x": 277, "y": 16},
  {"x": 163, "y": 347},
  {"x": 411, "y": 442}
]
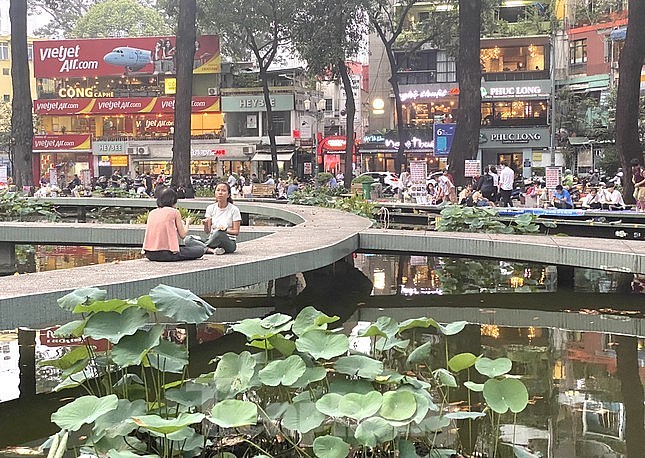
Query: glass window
[
  {"x": 4, "y": 50},
  {"x": 329, "y": 105},
  {"x": 30, "y": 52},
  {"x": 578, "y": 52},
  {"x": 5, "y": 71},
  {"x": 281, "y": 123},
  {"x": 446, "y": 68},
  {"x": 516, "y": 113},
  {"x": 512, "y": 59},
  {"x": 242, "y": 124}
]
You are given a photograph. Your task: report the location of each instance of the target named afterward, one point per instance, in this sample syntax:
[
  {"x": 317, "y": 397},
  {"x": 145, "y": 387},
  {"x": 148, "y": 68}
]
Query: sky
[{"x": 33, "y": 22}]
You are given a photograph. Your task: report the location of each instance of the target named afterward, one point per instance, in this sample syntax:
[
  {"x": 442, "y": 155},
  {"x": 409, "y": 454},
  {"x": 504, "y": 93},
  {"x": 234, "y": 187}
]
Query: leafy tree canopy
[{"x": 119, "y": 18}]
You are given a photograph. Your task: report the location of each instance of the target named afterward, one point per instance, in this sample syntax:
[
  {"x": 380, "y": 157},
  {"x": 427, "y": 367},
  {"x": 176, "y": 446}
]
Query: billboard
[
  {"x": 443, "y": 136},
  {"x": 119, "y": 56},
  {"x": 66, "y": 142},
  {"x": 118, "y": 106}
]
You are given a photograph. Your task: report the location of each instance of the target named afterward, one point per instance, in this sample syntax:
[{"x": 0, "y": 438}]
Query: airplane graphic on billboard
[{"x": 132, "y": 59}]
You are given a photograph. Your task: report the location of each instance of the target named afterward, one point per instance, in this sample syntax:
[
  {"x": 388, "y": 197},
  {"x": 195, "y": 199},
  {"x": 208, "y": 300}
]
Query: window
[
  {"x": 329, "y": 105},
  {"x": 5, "y": 71},
  {"x": 30, "y": 52},
  {"x": 281, "y": 123},
  {"x": 515, "y": 113},
  {"x": 446, "y": 68},
  {"x": 578, "y": 52},
  {"x": 512, "y": 59},
  {"x": 7, "y": 98},
  {"x": 4, "y": 50}
]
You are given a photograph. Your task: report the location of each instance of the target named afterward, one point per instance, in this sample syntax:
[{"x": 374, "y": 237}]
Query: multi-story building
[{"x": 106, "y": 104}]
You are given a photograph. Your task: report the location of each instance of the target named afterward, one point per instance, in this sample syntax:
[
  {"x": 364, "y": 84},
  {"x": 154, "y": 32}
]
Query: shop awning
[
  {"x": 282, "y": 157},
  {"x": 577, "y": 141}
]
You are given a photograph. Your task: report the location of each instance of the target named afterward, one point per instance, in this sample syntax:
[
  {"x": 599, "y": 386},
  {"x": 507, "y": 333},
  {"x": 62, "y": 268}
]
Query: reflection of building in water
[
  {"x": 9, "y": 372},
  {"x": 66, "y": 257}
]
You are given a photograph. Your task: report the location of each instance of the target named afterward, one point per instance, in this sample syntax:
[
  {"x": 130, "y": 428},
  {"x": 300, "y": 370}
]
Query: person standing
[
  {"x": 638, "y": 178},
  {"x": 163, "y": 230},
  {"x": 506, "y": 181},
  {"x": 486, "y": 184}
]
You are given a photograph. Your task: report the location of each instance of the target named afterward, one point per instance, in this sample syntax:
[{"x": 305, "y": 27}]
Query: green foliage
[
  {"x": 326, "y": 197},
  {"x": 184, "y": 212},
  {"x": 346, "y": 403},
  {"x": 119, "y": 18},
  {"x": 15, "y": 206},
  {"x": 456, "y": 218},
  {"x": 203, "y": 191},
  {"x": 363, "y": 179},
  {"x": 323, "y": 178}
]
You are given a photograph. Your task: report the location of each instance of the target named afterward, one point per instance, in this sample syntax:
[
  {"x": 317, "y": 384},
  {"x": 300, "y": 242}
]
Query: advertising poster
[
  {"x": 472, "y": 168},
  {"x": 553, "y": 177},
  {"x": 135, "y": 56},
  {"x": 443, "y": 135}
]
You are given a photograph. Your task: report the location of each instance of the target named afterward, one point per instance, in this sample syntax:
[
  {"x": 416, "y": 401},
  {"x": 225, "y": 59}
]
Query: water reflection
[{"x": 42, "y": 258}]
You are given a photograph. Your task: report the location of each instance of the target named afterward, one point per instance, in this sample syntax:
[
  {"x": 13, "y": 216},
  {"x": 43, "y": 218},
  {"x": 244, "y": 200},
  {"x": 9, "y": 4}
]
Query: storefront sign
[
  {"x": 512, "y": 136},
  {"x": 333, "y": 143},
  {"x": 101, "y": 148},
  {"x": 138, "y": 105},
  {"x": 414, "y": 95},
  {"x": 413, "y": 143},
  {"x": 443, "y": 136},
  {"x": 472, "y": 168},
  {"x": 170, "y": 86},
  {"x": 242, "y": 103},
  {"x": 517, "y": 90},
  {"x": 553, "y": 177},
  {"x": 118, "y": 56},
  {"x": 207, "y": 152},
  {"x": 428, "y": 91},
  {"x": 374, "y": 138},
  {"x": 76, "y": 142},
  {"x": 79, "y": 92}
]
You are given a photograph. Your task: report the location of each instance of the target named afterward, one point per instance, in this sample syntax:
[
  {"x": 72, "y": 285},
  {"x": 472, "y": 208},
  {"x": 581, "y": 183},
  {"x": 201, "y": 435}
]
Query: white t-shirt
[{"x": 223, "y": 217}]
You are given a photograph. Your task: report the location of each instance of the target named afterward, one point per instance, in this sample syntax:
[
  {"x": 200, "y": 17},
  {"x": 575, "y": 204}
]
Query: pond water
[{"x": 563, "y": 341}]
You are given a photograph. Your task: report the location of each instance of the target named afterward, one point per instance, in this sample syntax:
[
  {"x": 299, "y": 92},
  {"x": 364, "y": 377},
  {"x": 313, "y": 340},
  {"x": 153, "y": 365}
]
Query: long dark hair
[{"x": 228, "y": 188}]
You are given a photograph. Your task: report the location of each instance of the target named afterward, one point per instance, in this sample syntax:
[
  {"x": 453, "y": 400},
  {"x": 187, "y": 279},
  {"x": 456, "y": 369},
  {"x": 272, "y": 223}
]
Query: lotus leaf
[
  {"x": 309, "y": 318},
  {"x": 285, "y": 346},
  {"x": 420, "y": 355},
  {"x": 232, "y": 413},
  {"x": 502, "y": 395},
  {"x": 359, "y": 365},
  {"x": 343, "y": 386},
  {"x": 275, "y": 321},
  {"x": 322, "y": 344},
  {"x": 417, "y": 323},
  {"x": 374, "y": 431},
  {"x": 330, "y": 447},
  {"x": 493, "y": 367},
  {"x": 167, "y": 425},
  {"x": 329, "y": 404},
  {"x": 359, "y": 406},
  {"x": 81, "y": 296},
  {"x": 302, "y": 417},
  {"x": 407, "y": 449},
  {"x": 127, "y": 454},
  {"x": 384, "y": 327},
  {"x": 113, "y": 326},
  {"x": 398, "y": 405},
  {"x": 69, "y": 359},
  {"x": 168, "y": 357},
  {"x": 85, "y": 409},
  {"x": 283, "y": 371},
  {"x": 71, "y": 329},
  {"x": 145, "y": 302},
  {"x": 180, "y": 304},
  {"x": 445, "y": 378},
  {"x": 451, "y": 329},
  {"x": 385, "y": 344},
  {"x": 118, "y": 422},
  {"x": 110, "y": 305},
  {"x": 131, "y": 350},
  {"x": 312, "y": 374},
  {"x": 234, "y": 372},
  {"x": 253, "y": 329},
  {"x": 461, "y": 361},
  {"x": 465, "y": 415},
  {"x": 472, "y": 386},
  {"x": 190, "y": 394}
]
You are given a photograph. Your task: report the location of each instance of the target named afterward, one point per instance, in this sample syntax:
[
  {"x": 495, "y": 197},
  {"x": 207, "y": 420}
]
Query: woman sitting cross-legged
[
  {"x": 163, "y": 230},
  {"x": 222, "y": 223}
]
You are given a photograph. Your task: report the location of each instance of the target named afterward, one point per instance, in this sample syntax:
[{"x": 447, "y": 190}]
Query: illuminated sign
[
  {"x": 425, "y": 94},
  {"x": 413, "y": 143},
  {"x": 79, "y": 92}
]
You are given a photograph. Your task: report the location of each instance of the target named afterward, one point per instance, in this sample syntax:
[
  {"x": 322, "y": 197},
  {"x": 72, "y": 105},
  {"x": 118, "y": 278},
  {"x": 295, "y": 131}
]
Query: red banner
[
  {"x": 132, "y": 105},
  {"x": 119, "y": 56},
  {"x": 75, "y": 142},
  {"x": 46, "y": 337}
]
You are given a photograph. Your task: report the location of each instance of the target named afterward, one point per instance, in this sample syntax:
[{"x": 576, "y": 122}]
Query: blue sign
[{"x": 443, "y": 135}]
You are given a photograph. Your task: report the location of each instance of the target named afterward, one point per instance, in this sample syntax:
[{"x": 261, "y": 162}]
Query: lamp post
[{"x": 317, "y": 115}]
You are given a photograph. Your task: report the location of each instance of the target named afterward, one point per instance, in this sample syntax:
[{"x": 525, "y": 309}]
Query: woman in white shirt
[{"x": 222, "y": 223}]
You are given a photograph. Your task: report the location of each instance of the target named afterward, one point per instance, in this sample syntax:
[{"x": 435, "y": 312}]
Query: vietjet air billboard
[{"x": 120, "y": 56}]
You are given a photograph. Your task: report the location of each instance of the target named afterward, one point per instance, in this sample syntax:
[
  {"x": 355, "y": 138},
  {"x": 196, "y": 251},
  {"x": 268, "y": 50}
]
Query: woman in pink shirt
[{"x": 165, "y": 228}]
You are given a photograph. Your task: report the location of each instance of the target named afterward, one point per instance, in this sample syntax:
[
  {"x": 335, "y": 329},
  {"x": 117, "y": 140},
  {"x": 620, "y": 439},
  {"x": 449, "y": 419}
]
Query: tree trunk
[
  {"x": 269, "y": 116},
  {"x": 185, "y": 56},
  {"x": 466, "y": 141},
  {"x": 627, "y": 370},
  {"x": 399, "y": 160},
  {"x": 350, "y": 111},
  {"x": 627, "y": 103},
  {"x": 22, "y": 129}
]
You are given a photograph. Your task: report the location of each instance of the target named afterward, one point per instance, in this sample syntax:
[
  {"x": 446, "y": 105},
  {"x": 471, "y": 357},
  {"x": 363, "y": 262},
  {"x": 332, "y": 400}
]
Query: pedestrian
[
  {"x": 561, "y": 198},
  {"x": 486, "y": 184},
  {"x": 638, "y": 178},
  {"x": 506, "y": 181},
  {"x": 164, "y": 229}
]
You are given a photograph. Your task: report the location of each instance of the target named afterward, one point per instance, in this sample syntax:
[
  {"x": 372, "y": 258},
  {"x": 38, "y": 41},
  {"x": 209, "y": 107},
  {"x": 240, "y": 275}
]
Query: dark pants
[
  {"x": 185, "y": 253},
  {"x": 562, "y": 204},
  {"x": 217, "y": 239},
  {"x": 505, "y": 198}
]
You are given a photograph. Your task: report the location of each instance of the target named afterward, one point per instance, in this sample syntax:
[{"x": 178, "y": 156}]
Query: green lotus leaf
[
  {"x": 187, "y": 439},
  {"x": 341, "y": 385},
  {"x": 431, "y": 424},
  {"x": 283, "y": 371},
  {"x": 374, "y": 431},
  {"x": 451, "y": 329},
  {"x": 330, "y": 447},
  {"x": 311, "y": 374},
  {"x": 465, "y": 415},
  {"x": 493, "y": 367},
  {"x": 253, "y": 328},
  {"x": 384, "y": 327},
  {"x": 74, "y": 380},
  {"x": 230, "y": 455},
  {"x": 72, "y": 329},
  {"x": 424, "y": 403},
  {"x": 168, "y": 357},
  {"x": 398, "y": 405},
  {"x": 127, "y": 454},
  {"x": 234, "y": 372},
  {"x": 302, "y": 417},
  {"x": 275, "y": 321},
  {"x": 445, "y": 378},
  {"x": 110, "y": 305},
  {"x": 329, "y": 404},
  {"x": 167, "y": 425},
  {"x": 322, "y": 344},
  {"x": 420, "y": 355},
  {"x": 131, "y": 350},
  {"x": 232, "y": 413},
  {"x": 309, "y": 318},
  {"x": 190, "y": 394},
  {"x": 359, "y": 365},
  {"x": 359, "y": 406},
  {"x": 461, "y": 361},
  {"x": 472, "y": 386},
  {"x": 502, "y": 395},
  {"x": 385, "y": 344},
  {"x": 113, "y": 326},
  {"x": 83, "y": 410},
  {"x": 69, "y": 359},
  {"x": 407, "y": 449},
  {"x": 118, "y": 422},
  {"x": 180, "y": 304},
  {"x": 81, "y": 296},
  {"x": 417, "y": 323},
  {"x": 145, "y": 302},
  {"x": 285, "y": 346},
  {"x": 117, "y": 444}
]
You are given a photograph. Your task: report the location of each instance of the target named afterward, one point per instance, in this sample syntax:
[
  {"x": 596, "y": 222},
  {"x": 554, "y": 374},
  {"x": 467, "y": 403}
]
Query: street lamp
[{"x": 318, "y": 114}]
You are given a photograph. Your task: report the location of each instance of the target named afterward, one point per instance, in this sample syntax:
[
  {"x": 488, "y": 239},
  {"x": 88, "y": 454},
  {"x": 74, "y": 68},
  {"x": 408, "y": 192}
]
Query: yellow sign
[
  {"x": 170, "y": 86},
  {"x": 537, "y": 157},
  {"x": 119, "y": 161}
]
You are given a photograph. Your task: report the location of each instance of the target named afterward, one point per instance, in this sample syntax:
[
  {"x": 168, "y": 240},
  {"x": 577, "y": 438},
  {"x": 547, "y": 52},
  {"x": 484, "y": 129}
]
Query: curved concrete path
[{"x": 321, "y": 237}]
